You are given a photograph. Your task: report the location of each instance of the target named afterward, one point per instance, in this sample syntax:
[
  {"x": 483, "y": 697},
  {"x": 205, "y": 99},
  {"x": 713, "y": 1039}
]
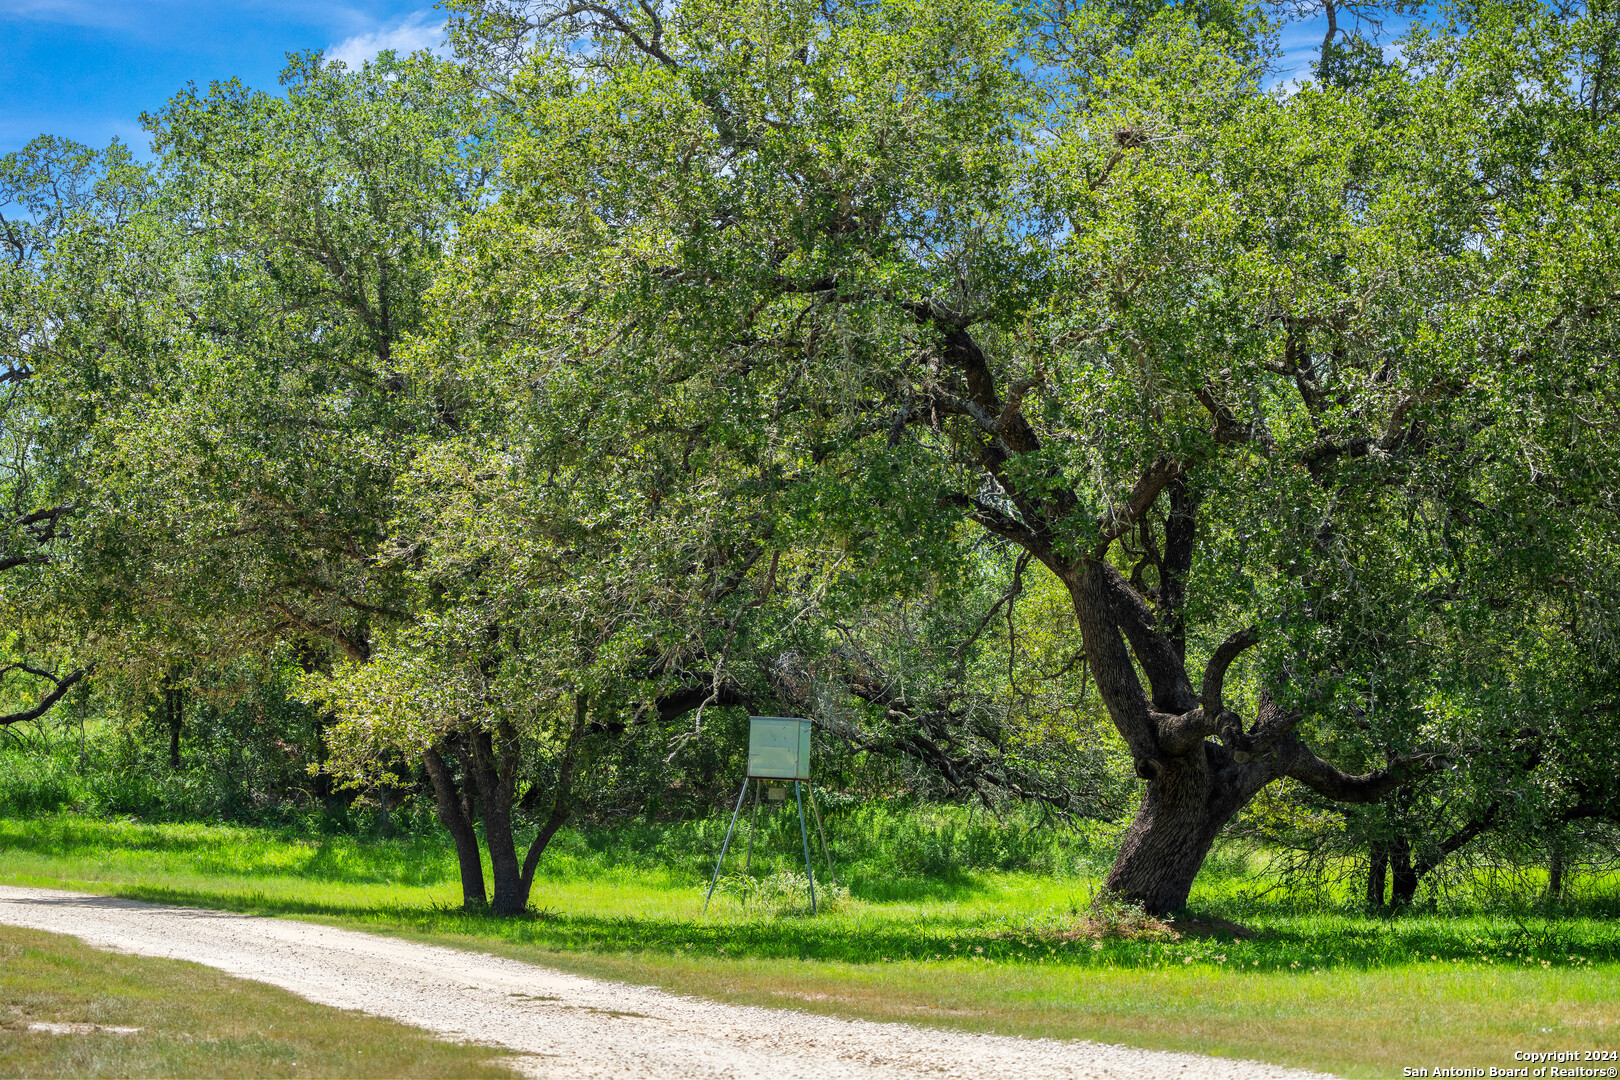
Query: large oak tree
[{"x": 1260, "y": 375}]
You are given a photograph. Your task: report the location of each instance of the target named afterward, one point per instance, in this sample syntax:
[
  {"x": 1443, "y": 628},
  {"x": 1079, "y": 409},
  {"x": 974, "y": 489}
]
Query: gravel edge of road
[{"x": 571, "y": 1026}]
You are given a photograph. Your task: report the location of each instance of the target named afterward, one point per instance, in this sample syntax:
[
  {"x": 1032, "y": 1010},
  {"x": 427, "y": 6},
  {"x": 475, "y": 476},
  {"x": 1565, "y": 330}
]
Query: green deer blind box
[{"x": 778, "y": 749}]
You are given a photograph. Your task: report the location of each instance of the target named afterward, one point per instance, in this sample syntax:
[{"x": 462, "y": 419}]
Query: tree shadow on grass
[
  {"x": 880, "y": 888},
  {"x": 873, "y": 940},
  {"x": 765, "y": 937}
]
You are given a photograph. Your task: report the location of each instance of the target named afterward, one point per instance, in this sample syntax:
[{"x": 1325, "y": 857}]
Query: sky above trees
[{"x": 87, "y": 69}]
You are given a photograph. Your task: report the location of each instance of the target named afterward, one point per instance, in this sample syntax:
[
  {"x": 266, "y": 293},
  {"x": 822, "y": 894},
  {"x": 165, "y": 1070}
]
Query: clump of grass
[
  {"x": 783, "y": 893},
  {"x": 1111, "y": 917}
]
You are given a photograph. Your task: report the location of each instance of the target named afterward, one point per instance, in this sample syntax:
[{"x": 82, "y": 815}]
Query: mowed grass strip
[{"x": 193, "y": 1021}]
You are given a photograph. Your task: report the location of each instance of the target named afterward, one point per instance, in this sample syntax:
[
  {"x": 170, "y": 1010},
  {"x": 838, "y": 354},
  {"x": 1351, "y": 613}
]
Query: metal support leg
[
  {"x": 753, "y": 823},
  {"x": 741, "y": 795},
  {"x": 816, "y": 813},
  {"x": 805, "y": 836}
]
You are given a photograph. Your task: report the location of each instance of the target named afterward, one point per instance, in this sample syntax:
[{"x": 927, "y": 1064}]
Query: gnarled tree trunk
[
  {"x": 1195, "y": 784},
  {"x": 1201, "y": 761}
]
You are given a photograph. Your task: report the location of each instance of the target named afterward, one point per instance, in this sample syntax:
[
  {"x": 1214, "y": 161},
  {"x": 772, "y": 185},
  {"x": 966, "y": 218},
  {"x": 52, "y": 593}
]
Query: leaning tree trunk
[
  {"x": 1167, "y": 841},
  {"x": 1194, "y": 785},
  {"x": 495, "y": 771},
  {"x": 454, "y": 815},
  {"x": 1184, "y": 807}
]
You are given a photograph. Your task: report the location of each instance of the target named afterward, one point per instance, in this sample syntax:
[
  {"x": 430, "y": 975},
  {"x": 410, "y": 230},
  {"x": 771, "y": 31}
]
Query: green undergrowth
[{"x": 584, "y": 902}]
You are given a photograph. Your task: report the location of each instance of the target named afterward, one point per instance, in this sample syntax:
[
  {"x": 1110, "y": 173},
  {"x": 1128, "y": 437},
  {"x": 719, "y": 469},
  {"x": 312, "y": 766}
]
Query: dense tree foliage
[
  {"x": 1031, "y": 394},
  {"x": 1217, "y": 359}
]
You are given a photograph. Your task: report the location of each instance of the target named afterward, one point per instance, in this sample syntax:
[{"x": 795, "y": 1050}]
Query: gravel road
[{"x": 571, "y": 1027}]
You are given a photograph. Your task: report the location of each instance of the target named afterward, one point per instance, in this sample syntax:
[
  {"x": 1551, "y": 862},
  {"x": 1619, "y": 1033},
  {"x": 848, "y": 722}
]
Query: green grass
[
  {"x": 193, "y": 1021},
  {"x": 985, "y": 949}
]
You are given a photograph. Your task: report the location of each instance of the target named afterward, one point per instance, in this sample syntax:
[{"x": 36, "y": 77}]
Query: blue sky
[{"x": 86, "y": 69}]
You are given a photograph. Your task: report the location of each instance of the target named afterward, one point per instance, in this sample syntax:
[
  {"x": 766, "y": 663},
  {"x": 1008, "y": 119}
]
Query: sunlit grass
[
  {"x": 593, "y": 907},
  {"x": 1348, "y": 1021},
  {"x": 983, "y": 949}
]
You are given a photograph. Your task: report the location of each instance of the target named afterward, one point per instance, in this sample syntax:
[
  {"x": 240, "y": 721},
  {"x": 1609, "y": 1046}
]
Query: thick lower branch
[
  {"x": 1303, "y": 765},
  {"x": 1167, "y": 675},
  {"x": 1119, "y": 520},
  {"x": 1181, "y": 733},
  {"x": 1456, "y": 841},
  {"x": 1111, "y": 666},
  {"x": 561, "y": 802}
]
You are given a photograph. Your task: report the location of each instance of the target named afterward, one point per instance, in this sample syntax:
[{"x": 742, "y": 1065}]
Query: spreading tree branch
[{"x": 62, "y": 686}]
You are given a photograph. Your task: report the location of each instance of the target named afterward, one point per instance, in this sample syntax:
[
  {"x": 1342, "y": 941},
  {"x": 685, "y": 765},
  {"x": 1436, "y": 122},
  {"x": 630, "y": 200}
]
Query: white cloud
[
  {"x": 74, "y": 13},
  {"x": 415, "y": 31}
]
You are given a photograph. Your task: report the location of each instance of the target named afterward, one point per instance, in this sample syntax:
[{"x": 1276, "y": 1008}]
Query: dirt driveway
[{"x": 569, "y": 1026}]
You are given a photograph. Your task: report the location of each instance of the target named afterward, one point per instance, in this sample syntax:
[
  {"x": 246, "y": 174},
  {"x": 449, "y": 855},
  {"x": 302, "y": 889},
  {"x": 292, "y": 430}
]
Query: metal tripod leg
[
  {"x": 816, "y": 813},
  {"x": 753, "y": 823},
  {"x": 741, "y": 795},
  {"x": 805, "y": 836}
]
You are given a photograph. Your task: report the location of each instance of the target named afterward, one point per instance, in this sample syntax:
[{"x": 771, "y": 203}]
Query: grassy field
[
  {"x": 190, "y": 1020},
  {"x": 982, "y": 950}
]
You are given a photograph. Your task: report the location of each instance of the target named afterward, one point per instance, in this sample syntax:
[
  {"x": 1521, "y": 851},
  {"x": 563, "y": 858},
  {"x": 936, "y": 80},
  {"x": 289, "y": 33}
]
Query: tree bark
[
  {"x": 1377, "y": 873},
  {"x": 1168, "y": 840},
  {"x": 174, "y": 711},
  {"x": 454, "y": 815},
  {"x": 494, "y": 770},
  {"x": 1403, "y": 877},
  {"x": 1555, "y": 873}
]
